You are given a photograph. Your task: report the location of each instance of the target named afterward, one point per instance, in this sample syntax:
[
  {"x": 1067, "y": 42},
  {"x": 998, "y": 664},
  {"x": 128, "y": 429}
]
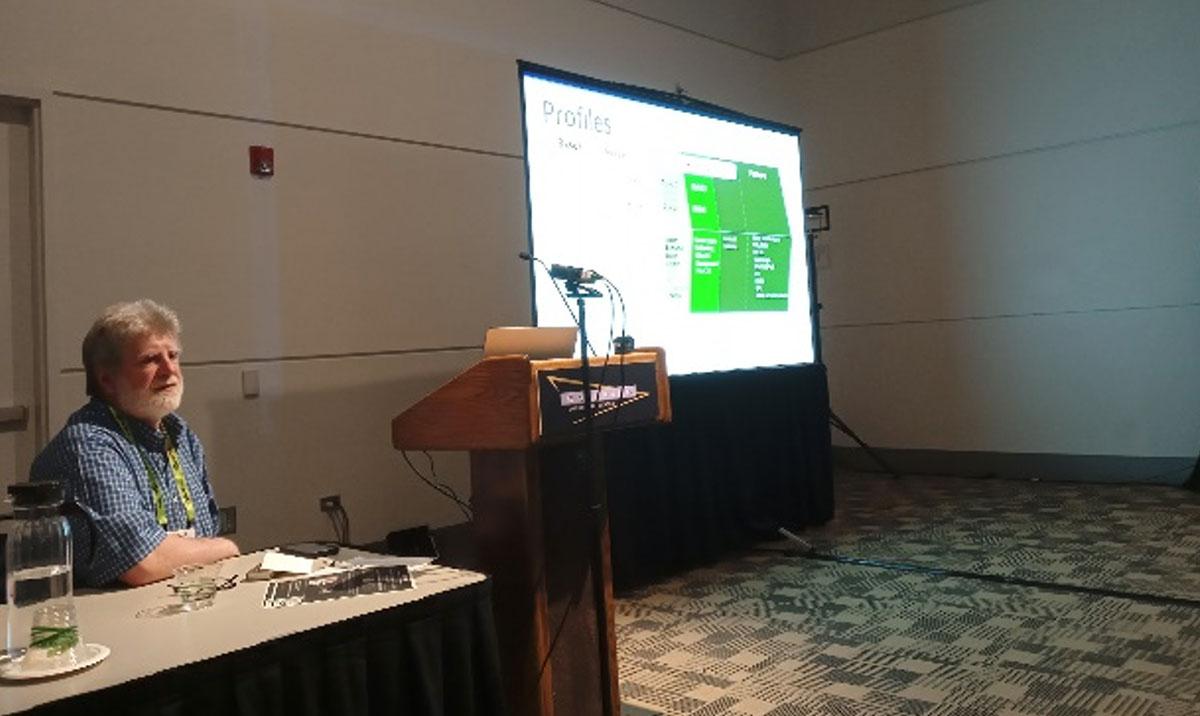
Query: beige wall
[
  {"x": 365, "y": 272},
  {"x": 1014, "y": 263}
]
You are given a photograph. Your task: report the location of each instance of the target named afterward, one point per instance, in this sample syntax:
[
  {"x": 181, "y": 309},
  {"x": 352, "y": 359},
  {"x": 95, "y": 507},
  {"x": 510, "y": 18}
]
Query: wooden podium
[{"x": 541, "y": 526}]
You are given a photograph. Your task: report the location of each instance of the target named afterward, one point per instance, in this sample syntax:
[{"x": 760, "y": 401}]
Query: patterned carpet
[
  {"x": 1134, "y": 538},
  {"x": 772, "y": 633}
]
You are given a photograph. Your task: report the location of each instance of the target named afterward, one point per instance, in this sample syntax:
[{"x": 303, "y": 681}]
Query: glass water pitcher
[{"x": 41, "y": 630}]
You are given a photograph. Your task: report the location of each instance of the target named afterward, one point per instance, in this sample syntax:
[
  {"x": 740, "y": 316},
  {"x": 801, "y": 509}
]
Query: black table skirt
[
  {"x": 748, "y": 452},
  {"x": 435, "y": 657}
]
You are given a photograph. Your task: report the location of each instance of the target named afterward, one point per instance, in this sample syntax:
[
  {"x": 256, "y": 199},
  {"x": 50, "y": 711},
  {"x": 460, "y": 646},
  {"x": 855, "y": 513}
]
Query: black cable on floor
[{"x": 811, "y": 553}]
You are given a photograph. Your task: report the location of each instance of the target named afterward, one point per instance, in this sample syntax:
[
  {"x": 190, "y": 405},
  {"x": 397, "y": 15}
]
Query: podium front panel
[{"x": 621, "y": 395}]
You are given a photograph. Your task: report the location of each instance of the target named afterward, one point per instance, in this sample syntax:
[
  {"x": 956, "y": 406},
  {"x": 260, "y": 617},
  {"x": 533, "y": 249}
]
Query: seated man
[{"x": 128, "y": 462}]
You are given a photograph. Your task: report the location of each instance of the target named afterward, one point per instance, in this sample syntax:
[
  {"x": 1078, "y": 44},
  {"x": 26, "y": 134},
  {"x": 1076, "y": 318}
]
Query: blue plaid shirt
[{"x": 104, "y": 475}]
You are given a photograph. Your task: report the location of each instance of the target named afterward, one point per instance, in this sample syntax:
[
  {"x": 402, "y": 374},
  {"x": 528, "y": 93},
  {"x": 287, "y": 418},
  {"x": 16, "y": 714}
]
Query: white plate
[{"x": 89, "y": 655}]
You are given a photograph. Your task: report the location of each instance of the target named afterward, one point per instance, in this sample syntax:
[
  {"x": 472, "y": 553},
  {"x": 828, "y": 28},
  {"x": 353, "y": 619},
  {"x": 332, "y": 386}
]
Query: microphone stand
[
  {"x": 596, "y": 489},
  {"x": 581, "y": 293}
]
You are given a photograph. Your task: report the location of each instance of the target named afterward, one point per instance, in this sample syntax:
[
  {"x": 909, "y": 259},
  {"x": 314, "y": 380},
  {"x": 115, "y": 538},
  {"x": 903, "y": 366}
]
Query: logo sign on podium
[{"x": 620, "y": 395}]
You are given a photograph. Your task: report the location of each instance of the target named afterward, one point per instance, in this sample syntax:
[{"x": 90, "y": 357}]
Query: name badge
[{"x": 189, "y": 532}]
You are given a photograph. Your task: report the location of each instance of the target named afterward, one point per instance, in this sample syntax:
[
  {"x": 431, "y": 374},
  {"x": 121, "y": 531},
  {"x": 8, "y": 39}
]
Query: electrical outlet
[
  {"x": 227, "y": 520},
  {"x": 330, "y": 503}
]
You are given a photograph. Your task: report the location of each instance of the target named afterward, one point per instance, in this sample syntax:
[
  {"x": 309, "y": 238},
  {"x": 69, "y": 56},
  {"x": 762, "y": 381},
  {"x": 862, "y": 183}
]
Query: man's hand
[{"x": 175, "y": 551}]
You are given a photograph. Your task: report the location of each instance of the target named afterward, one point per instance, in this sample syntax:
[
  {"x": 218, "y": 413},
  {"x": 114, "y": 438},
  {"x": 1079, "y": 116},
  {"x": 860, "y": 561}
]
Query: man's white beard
[{"x": 150, "y": 405}]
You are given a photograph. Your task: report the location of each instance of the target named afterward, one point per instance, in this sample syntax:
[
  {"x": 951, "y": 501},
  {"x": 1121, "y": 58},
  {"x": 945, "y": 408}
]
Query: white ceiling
[{"x": 783, "y": 28}]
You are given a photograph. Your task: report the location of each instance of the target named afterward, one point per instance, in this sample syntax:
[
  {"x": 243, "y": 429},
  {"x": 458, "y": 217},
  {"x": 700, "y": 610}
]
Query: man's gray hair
[{"x": 119, "y": 323}]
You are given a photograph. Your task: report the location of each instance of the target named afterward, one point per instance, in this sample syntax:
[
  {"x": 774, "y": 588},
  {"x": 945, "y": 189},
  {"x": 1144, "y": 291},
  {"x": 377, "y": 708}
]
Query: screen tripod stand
[{"x": 817, "y": 220}]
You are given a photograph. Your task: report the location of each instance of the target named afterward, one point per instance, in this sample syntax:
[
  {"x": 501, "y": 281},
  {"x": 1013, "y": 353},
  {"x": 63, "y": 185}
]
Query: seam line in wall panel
[
  {"x": 787, "y": 55},
  {"x": 688, "y": 30},
  {"x": 308, "y": 357},
  {"x": 1019, "y": 152},
  {"x": 876, "y": 31},
  {"x": 997, "y": 316},
  {"x": 287, "y": 125}
]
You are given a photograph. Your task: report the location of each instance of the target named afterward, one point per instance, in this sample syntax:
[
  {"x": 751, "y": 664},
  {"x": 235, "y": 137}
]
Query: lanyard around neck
[{"x": 185, "y": 495}]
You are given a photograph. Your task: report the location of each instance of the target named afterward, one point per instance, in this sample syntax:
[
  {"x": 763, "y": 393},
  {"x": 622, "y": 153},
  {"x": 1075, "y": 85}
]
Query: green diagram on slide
[{"x": 741, "y": 243}]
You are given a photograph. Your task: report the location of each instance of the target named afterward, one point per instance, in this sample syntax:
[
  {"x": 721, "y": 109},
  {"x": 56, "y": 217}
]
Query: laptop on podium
[{"x": 537, "y": 342}]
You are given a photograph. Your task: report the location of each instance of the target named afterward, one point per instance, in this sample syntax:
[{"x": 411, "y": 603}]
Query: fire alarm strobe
[{"x": 262, "y": 161}]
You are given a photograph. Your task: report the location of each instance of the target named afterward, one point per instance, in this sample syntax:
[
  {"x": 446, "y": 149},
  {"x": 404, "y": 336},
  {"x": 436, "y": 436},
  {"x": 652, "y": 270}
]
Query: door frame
[{"x": 35, "y": 101}]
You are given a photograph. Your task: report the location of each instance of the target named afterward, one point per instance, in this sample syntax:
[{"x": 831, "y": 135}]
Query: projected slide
[
  {"x": 696, "y": 217},
  {"x": 740, "y": 241}
]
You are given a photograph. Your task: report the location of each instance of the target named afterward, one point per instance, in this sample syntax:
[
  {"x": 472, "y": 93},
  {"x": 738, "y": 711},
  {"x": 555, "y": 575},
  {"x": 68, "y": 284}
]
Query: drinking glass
[{"x": 196, "y": 585}]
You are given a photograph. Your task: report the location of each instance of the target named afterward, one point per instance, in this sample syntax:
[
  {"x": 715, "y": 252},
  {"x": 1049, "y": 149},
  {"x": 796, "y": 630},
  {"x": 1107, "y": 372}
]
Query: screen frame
[{"x": 678, "y": 101}]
